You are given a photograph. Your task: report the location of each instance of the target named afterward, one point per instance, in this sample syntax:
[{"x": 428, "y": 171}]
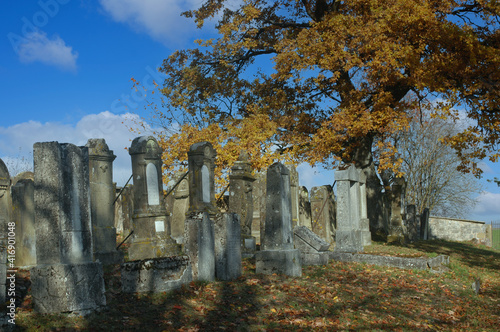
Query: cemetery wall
[{"x": 458, "y": 230}]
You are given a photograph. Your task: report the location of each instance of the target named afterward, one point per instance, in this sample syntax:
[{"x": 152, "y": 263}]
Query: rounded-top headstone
[
  {"x": 23, "y": 176},
  {"x": 145, "y": 145},
  {"x": 205, "y": 148}
]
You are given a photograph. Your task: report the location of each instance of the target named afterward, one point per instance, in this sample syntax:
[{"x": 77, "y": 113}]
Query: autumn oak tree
[{"x": 328, "y": 81}]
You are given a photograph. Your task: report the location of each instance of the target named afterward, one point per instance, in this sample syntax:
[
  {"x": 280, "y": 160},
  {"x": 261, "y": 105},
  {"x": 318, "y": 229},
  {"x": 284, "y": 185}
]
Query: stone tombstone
[
  {"x": 241, "y": 200},
  {"x": 304, "y": 208},
  {"x": 151, "y": 236},
  {"x": 124, "y": 210},
  {"x": 102, "y": 196},
  {"x": 412, "y": 223},
  {"x": 294, "y": 193},
  {"x": 23, "y": 214},
  {"x": 65, "y": 278},
  {"x": 259, "y": 206},
  {"x": 277, "y": 254},
  {"x": 313, "y": 249},
  {"x": 424, "y": 224},
  {"x": 199, "y": 245},
  {"x": 180, "y": 208},
  {"x": 227, "y": 232},
  {"x": 366, "y": 235},
  {"x": 323, "y": 217},
  {"x": 348, "y": 236},
  {"x": 156, "y": 275},
  {"x": 201, "y": 161},
  {"x": 4, "y": 220},
  {"x": 396, "y": 229}
]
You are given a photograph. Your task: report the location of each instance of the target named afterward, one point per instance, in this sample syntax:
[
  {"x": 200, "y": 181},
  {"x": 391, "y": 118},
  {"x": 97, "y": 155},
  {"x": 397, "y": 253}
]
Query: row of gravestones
[{"x": 73, "y": 198}]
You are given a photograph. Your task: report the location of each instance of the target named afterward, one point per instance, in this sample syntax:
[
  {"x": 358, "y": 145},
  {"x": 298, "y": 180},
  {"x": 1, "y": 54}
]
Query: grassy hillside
[{"x": 340, "y": 296}]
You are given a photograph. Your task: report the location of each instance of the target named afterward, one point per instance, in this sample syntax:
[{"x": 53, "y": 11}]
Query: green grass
[
  {"x": 336, "y": 297},
  {"x": 496, "y": 238}
]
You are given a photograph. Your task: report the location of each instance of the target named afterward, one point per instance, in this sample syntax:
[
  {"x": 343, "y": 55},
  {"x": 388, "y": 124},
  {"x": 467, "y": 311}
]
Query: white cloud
[
  {"x": 16, "y": 142},
  {"x": 158, "y": 18},
  {"x": 314, "y": 176},
  {"x": 37, "y": 47},
  {"x": 488, "y": 207}
]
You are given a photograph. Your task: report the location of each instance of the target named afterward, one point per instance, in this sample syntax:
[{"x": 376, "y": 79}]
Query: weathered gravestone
[
  {"x": 412, "y": 223},
  {"x": 23, "y": 214},
  {"x": 66, "y": 278},
  {"x": 155, "y": 275},
  {"x": 278, "y": 254},
  {"x": 227, "y": 246},
  {"x": 151, "y": 236},
  {"x": 348, "y": 236},
  {"x": 180, "y": 208},
  {"x": 304, "y": 208},
  {"x": 364, "y": 222},
  {"x": 396, "y": 229},
  {"x": 201, "y": 160},
  {"x": 294, "y": 194},
  {"x": 259, "y": 206},
  {"x": 424, "y": 224},
  {"x": 124, "y": 209},
  {"x": 313, "y": 249},
  {"x": 4, "y": 220},
  {"x": 102, "y": 196},
  {"x": 241, "y": 201},
  {"x": 323, "y": 212},
  {"x": 199, "y": 228}
]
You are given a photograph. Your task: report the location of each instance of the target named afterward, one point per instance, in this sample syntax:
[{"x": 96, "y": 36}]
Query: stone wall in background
[{"x": 450, "y": 229}]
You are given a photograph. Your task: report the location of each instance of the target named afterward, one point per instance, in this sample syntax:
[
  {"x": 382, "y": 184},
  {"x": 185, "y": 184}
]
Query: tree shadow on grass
[{"x": 470, "y": 254}]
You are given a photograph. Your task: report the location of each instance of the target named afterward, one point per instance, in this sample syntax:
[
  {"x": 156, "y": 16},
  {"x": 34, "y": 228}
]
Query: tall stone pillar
[
  {"x": 199, "y": 226},
  {"x": 201, "y": 160},
  {"x": 23, "y": 214},
  {"x": 366, "y": 236},
  {"x": 348, "y": 236},
  {"x": 323, "y": 213},
  {"x": 102, "y": 196},
  {"x": 4, "y": 221},
  {"x": 259, "y": 206},
  {"x": 396, "y": 229},
  {"x": 180, "y": 208},
  {"x": 294, "y": 193},
  {"x": 151, "y": 236},
  {"x": 241, "y": 201},
  {"x": 278, "y": 254},
  {"x": 412, "y": 223},
  {"x": 65, "y": 278},
  {"x": 304, "y": 208}
]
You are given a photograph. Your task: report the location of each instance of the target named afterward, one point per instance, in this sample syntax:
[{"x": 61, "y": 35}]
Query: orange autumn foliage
[{"x": 341, "y": 75}]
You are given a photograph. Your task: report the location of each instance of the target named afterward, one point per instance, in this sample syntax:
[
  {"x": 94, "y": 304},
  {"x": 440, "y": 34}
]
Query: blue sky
[{"x": 66, "y": 67}]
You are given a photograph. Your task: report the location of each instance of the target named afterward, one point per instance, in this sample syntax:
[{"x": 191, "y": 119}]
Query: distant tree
[{"x": 430, "y": 168}]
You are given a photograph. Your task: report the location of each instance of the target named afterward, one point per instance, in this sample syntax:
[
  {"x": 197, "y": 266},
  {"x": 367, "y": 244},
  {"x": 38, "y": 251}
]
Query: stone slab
[
  {"x": 434, "y": 264},
  {"x": 304, "y": 234},
  {"x": 156, "y": 275},
  {"x": 318, "y": 258},
  {"x": 349, "y": 241},
  {"x": 75, "y": 288},
  {"x": 286, "y": 262}
]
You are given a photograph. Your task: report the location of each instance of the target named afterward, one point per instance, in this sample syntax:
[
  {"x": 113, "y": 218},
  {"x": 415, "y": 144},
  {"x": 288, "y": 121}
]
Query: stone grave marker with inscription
[
  {"x": 23, "y": 214},
  {"x": 277, "y": 254},
  {"x": 241, "y": 201},
  {"x": 348, "y": 236},
  {"x": 65, "y": 278},
  {"x": 151, "y": 238}
]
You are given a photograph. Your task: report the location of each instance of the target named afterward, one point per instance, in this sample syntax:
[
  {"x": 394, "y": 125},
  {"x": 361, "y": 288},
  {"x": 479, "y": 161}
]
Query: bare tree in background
[{"x": 433, "y": 180}]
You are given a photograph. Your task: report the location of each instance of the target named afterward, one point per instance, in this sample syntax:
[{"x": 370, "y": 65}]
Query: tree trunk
[{"x": 375, "y": 198}]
